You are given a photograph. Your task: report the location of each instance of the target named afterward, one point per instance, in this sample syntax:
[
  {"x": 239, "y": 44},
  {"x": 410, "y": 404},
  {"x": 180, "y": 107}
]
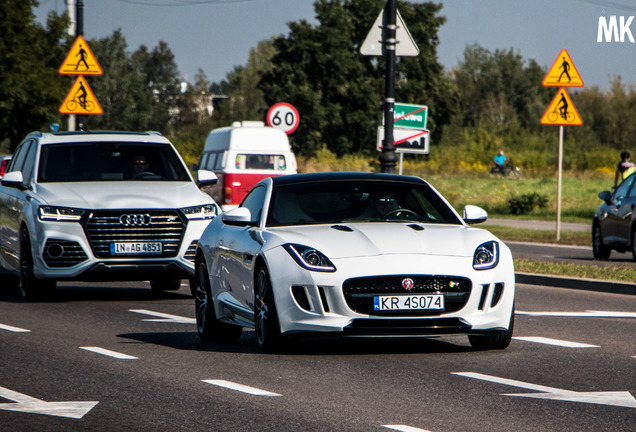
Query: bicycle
[
  {"x": 73, "y": 104},
  {"x": 556, "y": 113}
]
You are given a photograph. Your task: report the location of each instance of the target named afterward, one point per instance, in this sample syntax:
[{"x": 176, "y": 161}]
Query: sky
[{"x": 217, "y": 35}]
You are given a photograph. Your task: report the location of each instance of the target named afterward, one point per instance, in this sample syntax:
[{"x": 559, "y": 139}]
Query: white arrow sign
[
  {"x": 621, "y": 399},
  {"x": 28, "y": 404}
]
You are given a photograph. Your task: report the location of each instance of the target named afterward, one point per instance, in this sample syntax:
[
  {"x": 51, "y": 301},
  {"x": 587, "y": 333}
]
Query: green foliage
[
  {"x": 526, "y": 203},
  {"x": 31, "y": 90},
  {"x": 338, "y": 91}
]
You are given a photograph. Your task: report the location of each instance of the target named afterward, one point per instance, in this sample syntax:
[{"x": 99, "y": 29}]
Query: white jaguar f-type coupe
[{"x": 354, "y": 254}]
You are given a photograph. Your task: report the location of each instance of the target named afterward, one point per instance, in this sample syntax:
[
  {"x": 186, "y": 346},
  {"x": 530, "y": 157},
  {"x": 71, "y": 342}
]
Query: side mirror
[
  {"x": 206, "y": 178},
  {"x": 240, "y": 216},
  {"x": 14, "y": 179},
  {"x": 606, "y": 196},
  {"x": 474, "y": 215}
]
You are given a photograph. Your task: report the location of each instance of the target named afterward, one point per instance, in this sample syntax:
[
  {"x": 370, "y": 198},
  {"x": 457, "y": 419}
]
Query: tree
[
  {"x": 136, "y": 92},
  {"x": 339, "y": 92},
  {"x": 31, "y": 90}
]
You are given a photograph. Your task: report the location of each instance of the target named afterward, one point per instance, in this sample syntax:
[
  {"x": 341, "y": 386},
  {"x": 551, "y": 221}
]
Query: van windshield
[
  {"x": 275, "y": 162},
  {"x": 109, "y": 161}
]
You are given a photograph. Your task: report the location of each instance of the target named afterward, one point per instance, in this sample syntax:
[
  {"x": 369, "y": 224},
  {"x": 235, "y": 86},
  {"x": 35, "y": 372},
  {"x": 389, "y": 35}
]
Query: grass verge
[{"x": 618, "y": 274}]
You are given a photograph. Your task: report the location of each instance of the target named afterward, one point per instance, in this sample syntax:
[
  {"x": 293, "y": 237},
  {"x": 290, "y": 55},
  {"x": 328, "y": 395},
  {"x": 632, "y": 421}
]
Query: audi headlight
[
  {"x": 309, "y": 258},
  {"x": 207, "y": 211},
  {"x": 60, "y": 214},
  {"x": 486, "y": 256}
]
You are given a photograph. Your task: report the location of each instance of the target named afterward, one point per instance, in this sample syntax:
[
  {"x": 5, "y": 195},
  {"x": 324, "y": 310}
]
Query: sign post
[
  {"x": 561, "y": 111},
  {"x": 388, "y": 32}
]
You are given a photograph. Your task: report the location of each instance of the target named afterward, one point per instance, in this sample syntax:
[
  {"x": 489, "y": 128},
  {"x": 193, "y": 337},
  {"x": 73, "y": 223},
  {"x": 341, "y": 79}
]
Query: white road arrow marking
[
  {"x": 109, "y": 353},
  {"x": 557, "y": 342},
  {"x": 164, "y": 317},
  {"x": 240, "y": 387},
  {"x": 13, "y": 329},
  {"x": 586, "y": 314},
  {"x": 403, "y": 428},
  {"x": 622, "y": 399},
  {"x": 28, "y": 404}
]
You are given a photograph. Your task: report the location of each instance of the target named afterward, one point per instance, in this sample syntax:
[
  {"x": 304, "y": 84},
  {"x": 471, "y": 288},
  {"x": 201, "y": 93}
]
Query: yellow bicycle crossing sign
[
  {"x": 561, "y": 111},
  {"x": 80, "y": 100}
]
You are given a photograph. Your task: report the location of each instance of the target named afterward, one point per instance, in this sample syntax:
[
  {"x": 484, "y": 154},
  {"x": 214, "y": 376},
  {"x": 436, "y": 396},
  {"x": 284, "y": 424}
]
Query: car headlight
[
  {"x": 207, "y": 211},
  {"x": 309, "y": 258},
  {"x": 60, "y": 214},
  {"x": 486, "y": 256}
]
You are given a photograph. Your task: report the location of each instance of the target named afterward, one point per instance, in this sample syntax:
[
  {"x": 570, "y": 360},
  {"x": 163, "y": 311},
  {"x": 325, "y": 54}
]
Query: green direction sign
[{"x": 410, "y": 116}]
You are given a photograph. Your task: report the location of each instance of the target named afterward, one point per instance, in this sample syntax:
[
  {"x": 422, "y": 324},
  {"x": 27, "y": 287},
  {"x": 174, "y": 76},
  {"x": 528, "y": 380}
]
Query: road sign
[
  {"x": 409, "y": 116},
  {"x": 406, "y": 140},
  {"x": 80, "y": 60},
  {"x": 563, "y": 73},
  {"x": 283, "y": 116},
  {"x": 561, "y": 111},
  {"x": 405, "y": 45},
  {"x": 80, "y": 100}
]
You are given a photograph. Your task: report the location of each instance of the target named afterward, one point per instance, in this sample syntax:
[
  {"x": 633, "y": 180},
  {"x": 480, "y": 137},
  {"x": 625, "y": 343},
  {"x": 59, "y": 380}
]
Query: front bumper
[{"x": 310, "y": 302}]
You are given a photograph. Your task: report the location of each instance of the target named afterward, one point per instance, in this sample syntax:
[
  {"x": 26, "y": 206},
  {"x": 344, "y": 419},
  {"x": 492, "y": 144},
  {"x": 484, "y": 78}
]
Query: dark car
[
  {"x": 614, "y": 225},
  {"x": 4, "y": 162}
]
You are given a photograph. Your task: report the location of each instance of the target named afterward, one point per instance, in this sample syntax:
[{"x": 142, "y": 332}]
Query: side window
[
  {"x": 203, "y": 161},
  {"x": 220, "y": 159},
  {"x": 254, "y": 202},
  {"x": 18, "y": 160},
  {"x": 211, "y": 162},
  {"x": 29, "y": 163},
  {"x": 623, "y": 188}
]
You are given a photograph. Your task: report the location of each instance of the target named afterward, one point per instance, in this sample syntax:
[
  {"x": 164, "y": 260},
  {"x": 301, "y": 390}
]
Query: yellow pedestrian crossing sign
[
  {"x": 80, "y": 60},
  {"x": 563, "y": 73},
  {"x": 80, "y": 100},
  {"x": 561, "y": 111}
]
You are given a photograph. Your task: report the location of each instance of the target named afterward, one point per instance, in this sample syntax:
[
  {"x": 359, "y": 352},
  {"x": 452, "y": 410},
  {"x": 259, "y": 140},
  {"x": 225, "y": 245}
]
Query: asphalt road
[{"x": 50, "y": 352}]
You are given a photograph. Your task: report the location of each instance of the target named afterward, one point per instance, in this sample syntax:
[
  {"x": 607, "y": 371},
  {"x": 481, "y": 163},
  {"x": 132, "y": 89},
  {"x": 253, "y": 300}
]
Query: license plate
[
  {"x": 131, "y": 248},
  {"x": 408, "y": 302}
]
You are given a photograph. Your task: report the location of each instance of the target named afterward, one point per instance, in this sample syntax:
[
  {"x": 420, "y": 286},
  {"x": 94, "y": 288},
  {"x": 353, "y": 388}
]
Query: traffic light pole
[{"x": 388, "y": 159}]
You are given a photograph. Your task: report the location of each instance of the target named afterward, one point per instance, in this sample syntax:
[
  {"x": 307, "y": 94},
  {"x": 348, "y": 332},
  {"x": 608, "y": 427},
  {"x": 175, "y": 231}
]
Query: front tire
[
  {"x": 497, "y": 340},
  {"x": 208, "y": 327},
  {"x": 266, "y": 326},
  {"x": 31, "y": 288},
  {"x": 599, "y": 250}
]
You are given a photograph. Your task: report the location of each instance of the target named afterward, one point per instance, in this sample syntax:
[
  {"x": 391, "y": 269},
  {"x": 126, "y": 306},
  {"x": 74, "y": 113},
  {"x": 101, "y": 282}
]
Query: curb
[{"x": 574, "y": 283}]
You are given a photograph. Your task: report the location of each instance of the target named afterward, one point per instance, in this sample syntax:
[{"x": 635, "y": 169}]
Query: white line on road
[
  {"x": 164, "y": 317},
  {"x": 586, "y": 314},
  {"x": 13, "y": 329},
  {"x": 240, "y": 387},
  {"x": 403, "y": 428},
  {"x": 556, "y": 342},
  {"x": 109, "y": 353}
]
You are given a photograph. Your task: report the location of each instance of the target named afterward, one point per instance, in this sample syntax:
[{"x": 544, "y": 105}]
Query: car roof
[
  {"x": 336, "y": 176},
  {"x": 95, "y": 136}
]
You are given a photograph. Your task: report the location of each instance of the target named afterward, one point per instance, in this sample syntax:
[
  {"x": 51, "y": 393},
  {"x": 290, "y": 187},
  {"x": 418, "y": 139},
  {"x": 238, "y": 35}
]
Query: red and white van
[{"x": 242, "y": 155}]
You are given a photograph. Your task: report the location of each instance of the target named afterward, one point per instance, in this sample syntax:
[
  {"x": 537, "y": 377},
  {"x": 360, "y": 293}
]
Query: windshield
[
  {"x": 350, "y": 201},
  {"x": 110, "y": 161}
]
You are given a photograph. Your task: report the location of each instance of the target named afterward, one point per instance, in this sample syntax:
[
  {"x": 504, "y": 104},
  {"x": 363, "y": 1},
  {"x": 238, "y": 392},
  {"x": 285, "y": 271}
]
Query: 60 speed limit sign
[{"x": 283, "y": 116}]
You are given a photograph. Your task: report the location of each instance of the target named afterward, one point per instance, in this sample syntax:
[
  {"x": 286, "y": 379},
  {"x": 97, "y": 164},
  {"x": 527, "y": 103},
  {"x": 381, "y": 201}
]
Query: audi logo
[{"x": 135, "y": 219}]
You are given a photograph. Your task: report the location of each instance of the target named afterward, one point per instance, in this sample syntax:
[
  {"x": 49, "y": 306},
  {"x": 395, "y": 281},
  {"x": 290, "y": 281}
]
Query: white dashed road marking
[
  {"x": 164, "y": 317},
  {"x": 240, "y": 387},
  {"x": 556, "y": 342},
  {"x": 109, "y": 353},
  {"x": 13, "y": 329}
]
